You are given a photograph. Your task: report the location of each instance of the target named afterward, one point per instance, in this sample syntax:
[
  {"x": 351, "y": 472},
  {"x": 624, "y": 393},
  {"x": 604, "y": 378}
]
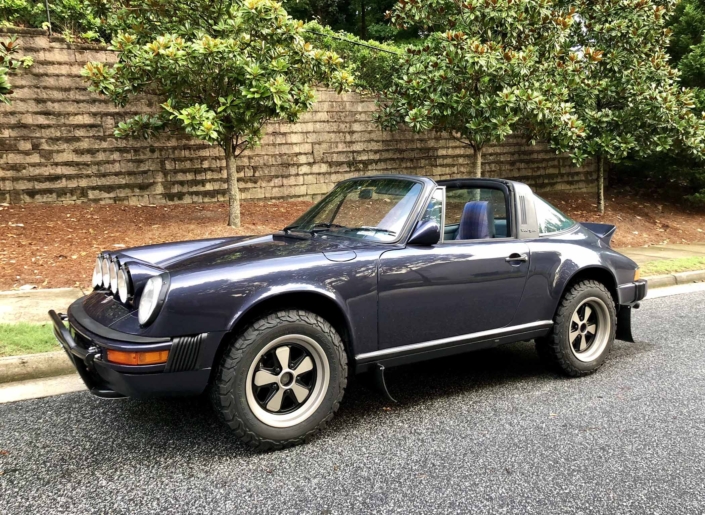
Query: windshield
[{"x": 370, "y": 209}]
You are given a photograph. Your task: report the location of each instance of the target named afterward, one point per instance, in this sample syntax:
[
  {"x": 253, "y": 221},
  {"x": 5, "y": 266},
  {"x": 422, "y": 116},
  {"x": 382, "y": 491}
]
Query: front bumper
[{"x": 187, "y": 371}]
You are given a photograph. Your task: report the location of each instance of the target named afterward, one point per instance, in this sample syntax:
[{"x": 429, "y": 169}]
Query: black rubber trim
[{"x": 77, "y": 312}]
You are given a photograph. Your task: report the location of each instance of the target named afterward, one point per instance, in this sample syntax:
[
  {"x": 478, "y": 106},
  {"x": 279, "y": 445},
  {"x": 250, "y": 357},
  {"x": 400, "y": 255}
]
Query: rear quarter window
[{"x": 550, "y": 219}]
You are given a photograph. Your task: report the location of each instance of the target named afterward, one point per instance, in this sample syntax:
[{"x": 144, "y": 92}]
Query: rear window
[{"x": 550, "y": 219}]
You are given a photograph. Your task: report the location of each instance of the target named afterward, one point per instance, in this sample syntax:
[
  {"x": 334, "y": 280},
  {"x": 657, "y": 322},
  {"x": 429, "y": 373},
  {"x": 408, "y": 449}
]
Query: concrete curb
[
  {"x": 51, "y": 364},
  {"x": 34, "y": 366},
  {"x": 662, "y": 281}
]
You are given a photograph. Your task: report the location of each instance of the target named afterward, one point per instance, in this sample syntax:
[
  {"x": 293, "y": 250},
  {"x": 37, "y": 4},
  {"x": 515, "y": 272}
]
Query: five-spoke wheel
[
  {"x": 281, "y": 379},
  {"x": 287, "y": 380},
  {"x": 583, "y": 330},
  {"x": 589, "y": 329}
]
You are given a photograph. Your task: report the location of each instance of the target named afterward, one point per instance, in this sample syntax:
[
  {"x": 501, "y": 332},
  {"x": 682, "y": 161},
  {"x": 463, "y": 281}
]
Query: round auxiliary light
[
  {"x": 149, "y": 300},
  {"x": 113, "y": 276},
  {"x": 105, "y": 269},
  {"x": 123, "y": 285},
  {"x": 98, "y": 273}
]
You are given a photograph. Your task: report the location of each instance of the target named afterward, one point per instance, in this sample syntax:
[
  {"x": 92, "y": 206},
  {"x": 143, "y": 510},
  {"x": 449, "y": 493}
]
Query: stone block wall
[{"x": 57, "y": 145}]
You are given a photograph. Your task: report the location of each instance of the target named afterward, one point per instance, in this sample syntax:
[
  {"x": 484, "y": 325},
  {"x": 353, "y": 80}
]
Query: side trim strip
[{"x": 424, "y": 346}]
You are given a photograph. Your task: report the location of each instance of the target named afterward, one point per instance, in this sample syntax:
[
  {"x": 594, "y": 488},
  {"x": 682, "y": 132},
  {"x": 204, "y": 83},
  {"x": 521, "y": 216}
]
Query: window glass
[
  {"x": 434, "y": 210},
  {"x": 490, "y": 213},
  {"x": 373, "y": 209},
  {"x": 549, "y": 218}
]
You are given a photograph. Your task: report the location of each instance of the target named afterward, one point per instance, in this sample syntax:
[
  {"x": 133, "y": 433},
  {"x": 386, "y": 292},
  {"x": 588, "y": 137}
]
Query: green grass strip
[
  {"x": 672, "y": 266},
  {"x": 25, "y": 338}
]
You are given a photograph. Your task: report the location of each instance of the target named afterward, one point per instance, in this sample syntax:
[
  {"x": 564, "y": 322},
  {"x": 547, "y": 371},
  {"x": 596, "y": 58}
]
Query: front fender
[{"x": 273, "y": 292}]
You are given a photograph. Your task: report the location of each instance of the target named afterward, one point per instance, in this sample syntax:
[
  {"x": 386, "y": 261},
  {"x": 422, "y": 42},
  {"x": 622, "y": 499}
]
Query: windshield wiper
[
  {"x": 290, "y": 228},
  {"x": 322, "y": 226},
  {"x": 375, "y": 229}
]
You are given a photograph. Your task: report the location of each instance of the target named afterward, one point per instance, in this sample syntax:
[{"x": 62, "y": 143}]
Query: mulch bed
[
  {"x": 54, "y": 246},
  {"x": 641, "y": 220}
]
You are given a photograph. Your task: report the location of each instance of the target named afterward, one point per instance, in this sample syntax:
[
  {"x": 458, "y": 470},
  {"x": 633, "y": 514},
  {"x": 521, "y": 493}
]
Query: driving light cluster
[{"x": 108, "y": 274}]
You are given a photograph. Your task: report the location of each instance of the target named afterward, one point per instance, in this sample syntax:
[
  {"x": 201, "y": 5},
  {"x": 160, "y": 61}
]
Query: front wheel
[
  {"x": 281, "y": 380},
  {"x": 583, "y": 331}
]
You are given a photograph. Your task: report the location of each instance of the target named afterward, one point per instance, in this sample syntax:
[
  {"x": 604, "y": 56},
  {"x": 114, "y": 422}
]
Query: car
[{"x": 382, "y": 271}]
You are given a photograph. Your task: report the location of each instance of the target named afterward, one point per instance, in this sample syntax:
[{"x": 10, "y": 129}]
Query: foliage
[
  {"x": 369, "y": 61},
  {"x": 486, "y": 70},
  {"x": 74, "y": 18},
  {"x": 221, "y": 72},
  {"x": 9, "y": 64},
  {"x": 630, "y": 101},
  {"x": 362, "y": 18}
]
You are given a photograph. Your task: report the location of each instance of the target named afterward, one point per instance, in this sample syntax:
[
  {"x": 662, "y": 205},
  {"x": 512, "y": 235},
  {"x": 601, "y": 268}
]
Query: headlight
[
  {"x": 98, "y": 273},
  {"x": 113, "y": 276},
  {"x": 150, "y": 300},
  {"x": 124, "y": 286},
  {"x": 105, "y": 268}
]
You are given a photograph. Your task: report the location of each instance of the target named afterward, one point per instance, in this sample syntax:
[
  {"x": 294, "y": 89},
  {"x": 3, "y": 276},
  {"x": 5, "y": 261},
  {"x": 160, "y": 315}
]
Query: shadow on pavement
[{"x": 190, "y": 425}]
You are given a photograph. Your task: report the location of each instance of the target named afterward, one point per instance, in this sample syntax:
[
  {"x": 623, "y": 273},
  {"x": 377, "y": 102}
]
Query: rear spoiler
[{"x": 602, "y": 231}]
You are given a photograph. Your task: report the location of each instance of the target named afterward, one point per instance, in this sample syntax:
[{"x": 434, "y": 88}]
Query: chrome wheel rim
[
  {"x": 287, "y": 381},
  {"x": 590, "y": 329}
]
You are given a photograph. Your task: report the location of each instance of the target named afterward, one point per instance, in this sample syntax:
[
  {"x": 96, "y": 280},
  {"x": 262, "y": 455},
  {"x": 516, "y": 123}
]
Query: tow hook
[
  {"x": 637, "y": 305},
  {"x": 93, "y": 354}
]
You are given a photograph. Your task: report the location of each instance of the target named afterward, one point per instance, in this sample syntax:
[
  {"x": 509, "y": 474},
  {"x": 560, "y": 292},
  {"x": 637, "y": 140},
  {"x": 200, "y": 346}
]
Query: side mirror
[{"x": 426, "y": 233}]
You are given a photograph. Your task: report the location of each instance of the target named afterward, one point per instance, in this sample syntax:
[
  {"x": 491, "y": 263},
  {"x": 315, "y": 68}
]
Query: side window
[
  {"x": 475, "y": 213},
  {"x": 549, "y": 218}
]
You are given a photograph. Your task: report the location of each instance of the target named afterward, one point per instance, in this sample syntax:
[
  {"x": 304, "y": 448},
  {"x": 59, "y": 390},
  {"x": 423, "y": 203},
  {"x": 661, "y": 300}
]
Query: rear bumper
[
  {"x": 631, "y": 293},
  {"x": 187, "y": 371},
  {"x": 629, "y": 297}
]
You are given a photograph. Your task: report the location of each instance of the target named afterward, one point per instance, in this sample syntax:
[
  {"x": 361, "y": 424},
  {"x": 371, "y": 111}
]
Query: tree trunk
[
  {"x": 601, "y": 184},
  {"x": 233, "y": 193},
  {"x": 477, "y": 163},
  {"x": 363, "y": 20}
]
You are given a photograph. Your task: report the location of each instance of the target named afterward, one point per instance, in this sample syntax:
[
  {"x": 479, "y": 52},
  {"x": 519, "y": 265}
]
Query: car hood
[{"x": 199, "y": 254}]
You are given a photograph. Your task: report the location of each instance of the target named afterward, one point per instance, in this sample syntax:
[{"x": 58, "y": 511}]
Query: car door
[{"x": 459, "y": 286}]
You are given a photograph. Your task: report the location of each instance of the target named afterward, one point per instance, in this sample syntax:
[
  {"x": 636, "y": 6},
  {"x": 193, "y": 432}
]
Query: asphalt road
[{"x": 485, "y": 432}]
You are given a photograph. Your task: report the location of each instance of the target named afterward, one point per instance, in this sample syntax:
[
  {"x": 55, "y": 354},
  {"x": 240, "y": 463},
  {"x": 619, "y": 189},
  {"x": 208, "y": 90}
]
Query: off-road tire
[
  {"x": 555, "y": 348},
  {"x": 228, "y": 389}
]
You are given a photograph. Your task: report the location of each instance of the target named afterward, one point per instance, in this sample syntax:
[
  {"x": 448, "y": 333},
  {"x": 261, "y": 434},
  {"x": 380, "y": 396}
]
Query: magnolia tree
[
  {"x": 222, "y": 71},
  {"x": 630, "y": 100},
  {"x": 487, "y": 68},
  {"x": 10, "y": 63}
]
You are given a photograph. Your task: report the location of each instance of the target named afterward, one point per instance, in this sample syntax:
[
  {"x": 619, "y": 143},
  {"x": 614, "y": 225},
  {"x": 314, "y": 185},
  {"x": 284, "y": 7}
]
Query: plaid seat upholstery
[{"x": 477, "y": 221}]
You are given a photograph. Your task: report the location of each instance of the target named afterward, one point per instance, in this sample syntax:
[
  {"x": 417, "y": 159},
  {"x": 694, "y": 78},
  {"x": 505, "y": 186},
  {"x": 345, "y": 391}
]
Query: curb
[
  {"x": 51, "y": 364},
  {"x": 662, "y": 281},
  {"x": 35, "y": 366}
]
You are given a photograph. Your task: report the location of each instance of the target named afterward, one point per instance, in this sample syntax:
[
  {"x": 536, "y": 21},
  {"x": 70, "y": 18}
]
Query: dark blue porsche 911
[{"x": 383, "y": 271}]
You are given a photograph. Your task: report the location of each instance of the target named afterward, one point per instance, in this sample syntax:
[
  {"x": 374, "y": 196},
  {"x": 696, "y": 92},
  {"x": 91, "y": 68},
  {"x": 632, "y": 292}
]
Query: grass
[
  {"x": 672, "y": 266},
  {"x": 25, "y": 338}
]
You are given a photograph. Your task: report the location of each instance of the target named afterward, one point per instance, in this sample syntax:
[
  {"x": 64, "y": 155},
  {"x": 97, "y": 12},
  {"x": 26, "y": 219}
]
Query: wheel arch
[
  {"x": 310, "y": 300},
  {"x": 596, "y": 273}
]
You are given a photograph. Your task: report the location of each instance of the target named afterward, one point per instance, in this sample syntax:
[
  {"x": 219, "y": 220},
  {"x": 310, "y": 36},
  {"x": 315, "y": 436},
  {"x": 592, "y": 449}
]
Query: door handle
[{"x": 516, "y": 257}]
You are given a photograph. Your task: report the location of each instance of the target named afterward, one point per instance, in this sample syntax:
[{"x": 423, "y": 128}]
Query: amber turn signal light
[
  {"x": 138, "y": 358},
  {"x": 637, "y": 274}
]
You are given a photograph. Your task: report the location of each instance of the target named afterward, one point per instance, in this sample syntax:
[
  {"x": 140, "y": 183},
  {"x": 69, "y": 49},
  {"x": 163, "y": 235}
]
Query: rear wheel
[
  {"x": 281, "y": 380},
  {"x": 583, "y": 331}
]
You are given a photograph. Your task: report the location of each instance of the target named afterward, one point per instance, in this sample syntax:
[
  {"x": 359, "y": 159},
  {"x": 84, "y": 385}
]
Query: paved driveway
[{"x": 486, "y": 432}]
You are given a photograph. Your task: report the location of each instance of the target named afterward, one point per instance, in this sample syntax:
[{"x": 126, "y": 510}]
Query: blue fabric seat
[{"x": 477, "y": 221}]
